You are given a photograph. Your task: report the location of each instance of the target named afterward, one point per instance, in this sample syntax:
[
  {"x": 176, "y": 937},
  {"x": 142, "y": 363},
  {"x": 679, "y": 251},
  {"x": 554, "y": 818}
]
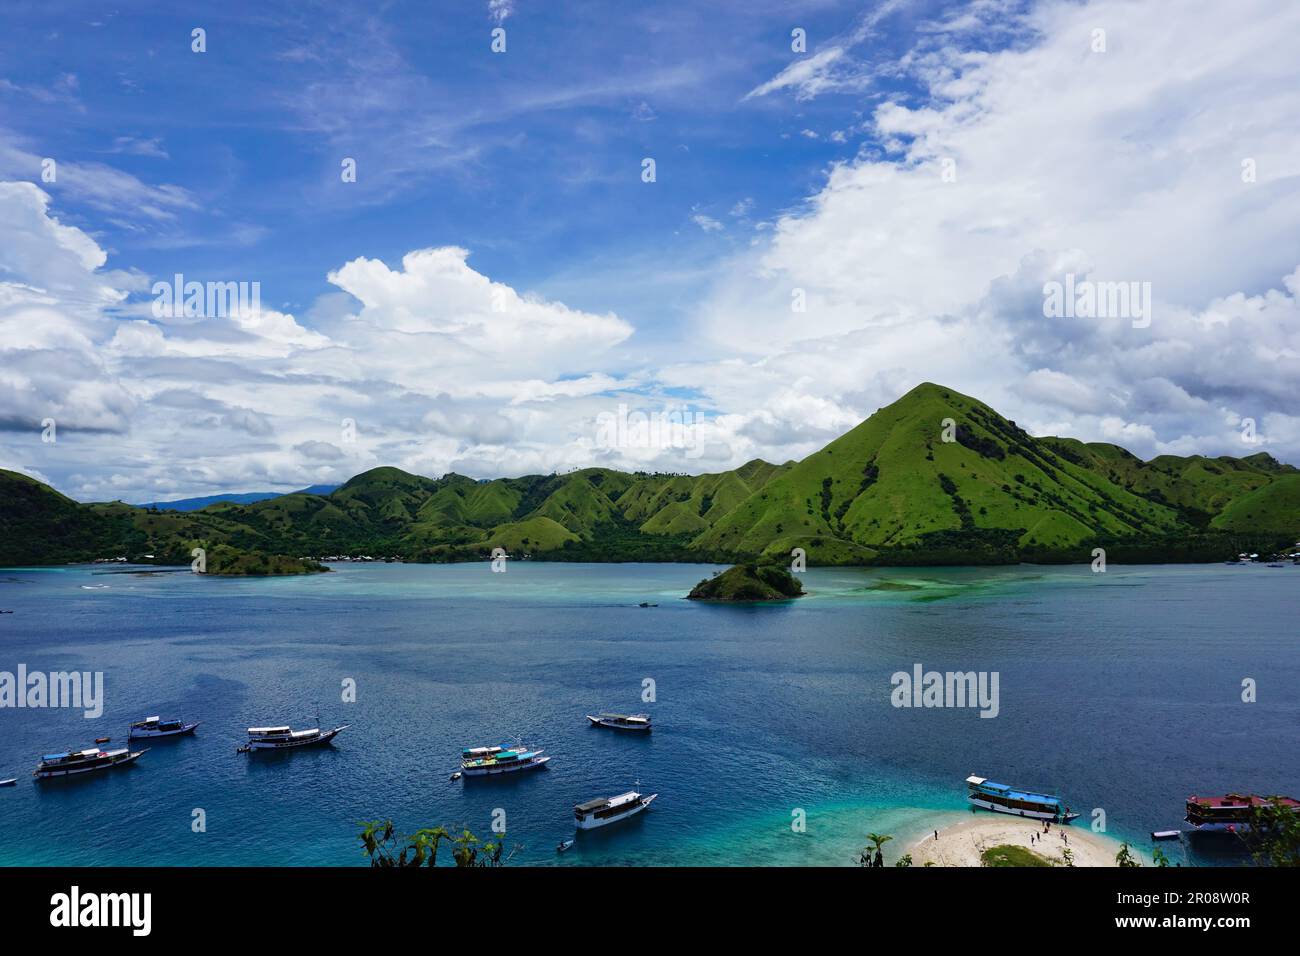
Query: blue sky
[
  {"x": 499, "y": 279},
  {"x": 531, "y": 159}
]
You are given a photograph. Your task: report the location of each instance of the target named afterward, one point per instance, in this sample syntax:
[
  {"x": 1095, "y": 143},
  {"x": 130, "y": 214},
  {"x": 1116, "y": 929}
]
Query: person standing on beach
[{"x": 936, "y": 834}]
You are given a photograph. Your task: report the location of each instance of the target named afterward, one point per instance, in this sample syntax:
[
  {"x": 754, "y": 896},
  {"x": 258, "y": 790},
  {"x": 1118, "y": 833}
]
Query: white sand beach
[{"x": 960, "y": 844}]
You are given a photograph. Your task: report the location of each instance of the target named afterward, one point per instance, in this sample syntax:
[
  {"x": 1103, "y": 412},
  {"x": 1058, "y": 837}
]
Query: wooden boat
[
  {"x": 491, "y": 761},
  {"x": 285, "y": 738},
  {"x": 1233, "y": 812},
  {"x": 157, "y": 727},
  {"x": 606, "y": 810},
  {"x": 638, "y": 722},
  {"x": 1001, "y": 798},
  {"x": 83, "y": 761}
]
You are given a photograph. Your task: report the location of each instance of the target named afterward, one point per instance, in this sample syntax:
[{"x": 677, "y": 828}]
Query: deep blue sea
[{"x": 1121, "y": 691}]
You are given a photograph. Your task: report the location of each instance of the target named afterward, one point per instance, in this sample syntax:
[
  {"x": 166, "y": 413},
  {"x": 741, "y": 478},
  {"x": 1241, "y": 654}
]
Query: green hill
[
  {"x": 936, "y": 477},
  {"x": 893, "y": 482}
]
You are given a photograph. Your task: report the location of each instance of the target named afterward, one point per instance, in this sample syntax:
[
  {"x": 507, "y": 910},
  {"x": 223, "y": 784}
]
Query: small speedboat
[
  {"x": 102, "y": 740},
  {"x": 564, "y": 845},
  {"x": 11, "y": 782},
  {"x": 456, "y": 775},
  {"x": 157, "y": 727},
  {"x": 639, "y": 722}
]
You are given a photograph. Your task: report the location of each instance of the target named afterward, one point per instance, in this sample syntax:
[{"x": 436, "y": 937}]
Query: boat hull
[
  {"x": 1027, "y": 814},
  {"x": 324, "y": 738},
  {"x": 594, "y": 823},
  {"x": 507, "y": 768},
  {"x": 121, "y": 761},
  {"x": 140, "y": 734},
  {"x": 635, "y": 729}
]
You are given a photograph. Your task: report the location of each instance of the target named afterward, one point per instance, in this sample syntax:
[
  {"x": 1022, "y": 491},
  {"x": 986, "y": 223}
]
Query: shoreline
[{"x": 961, "y": 843}]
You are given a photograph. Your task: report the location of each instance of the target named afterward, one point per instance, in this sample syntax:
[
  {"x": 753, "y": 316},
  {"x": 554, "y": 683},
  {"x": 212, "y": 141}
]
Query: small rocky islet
[{"x": 748, "y": 582}]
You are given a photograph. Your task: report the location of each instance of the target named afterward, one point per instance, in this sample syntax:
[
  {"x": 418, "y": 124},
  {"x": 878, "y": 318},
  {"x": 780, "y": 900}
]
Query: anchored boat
[
  {"x": 639, "y": 722},
  {"x": 488, "y": 761},
  {"x": 1234, "y": 812},
  {"x": 157, "y": 727},
  {"x": 83, "y": 761},
  {"x": 606, "y": 810},
  {"x": 283, "y": 738},
  {"x": 1001, "y": 798}
]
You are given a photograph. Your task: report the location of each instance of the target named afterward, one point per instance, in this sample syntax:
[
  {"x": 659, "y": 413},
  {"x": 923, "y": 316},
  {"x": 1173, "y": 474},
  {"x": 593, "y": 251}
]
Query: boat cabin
[{"x": 604, "y": 808}]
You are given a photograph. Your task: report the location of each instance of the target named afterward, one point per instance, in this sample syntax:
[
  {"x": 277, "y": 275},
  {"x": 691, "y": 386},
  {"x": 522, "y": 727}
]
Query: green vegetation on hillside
[{"x": 933, "y": 478}]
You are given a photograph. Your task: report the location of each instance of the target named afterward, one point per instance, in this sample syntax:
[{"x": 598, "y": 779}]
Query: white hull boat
[
  {"x": 1000, "y": 798},
  {"x": 493, "y": 761},
  {"x": 284, "y": 738},
  {"x": 638, "y": 723},
  {"x": 603, "y": 811},
  {"x": 83, "y": 761}
]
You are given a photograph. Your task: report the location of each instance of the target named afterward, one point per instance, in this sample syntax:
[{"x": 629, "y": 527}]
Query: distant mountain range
[
  {"x": 897, "y": 489},
  {"x": 246, "y": 498}
]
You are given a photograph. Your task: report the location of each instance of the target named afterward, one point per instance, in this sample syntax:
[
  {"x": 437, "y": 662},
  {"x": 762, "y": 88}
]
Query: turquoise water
[{"x": 1119, "y": 690}]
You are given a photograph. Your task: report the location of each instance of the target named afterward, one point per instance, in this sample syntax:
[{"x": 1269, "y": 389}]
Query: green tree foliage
[{"x": 389, "y": 850}]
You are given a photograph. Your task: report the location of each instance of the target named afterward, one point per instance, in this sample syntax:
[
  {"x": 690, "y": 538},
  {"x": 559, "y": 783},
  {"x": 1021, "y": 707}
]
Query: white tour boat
[
  {"x": 1001, "y": 798},
  {"x": 640, "y": 722},
  {"x": 282, "y": 738},
  {"x": 489, "y": 761},
  {"x": 605, "y": 810}
]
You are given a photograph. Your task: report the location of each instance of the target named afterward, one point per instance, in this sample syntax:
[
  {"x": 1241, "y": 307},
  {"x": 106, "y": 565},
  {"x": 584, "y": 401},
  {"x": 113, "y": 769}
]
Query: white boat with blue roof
[{"x": 1002, "y": 798}]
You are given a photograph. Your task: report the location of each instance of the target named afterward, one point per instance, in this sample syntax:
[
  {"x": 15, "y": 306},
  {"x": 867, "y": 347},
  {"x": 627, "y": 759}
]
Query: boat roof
[
  {"x": 56, "y": 756},
  {"x": 268, "y": 730},
  {"x": 1011, "y": 792},
  {"x": 1239, "y": 800},
  {"x": 592, "y": 804}
]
